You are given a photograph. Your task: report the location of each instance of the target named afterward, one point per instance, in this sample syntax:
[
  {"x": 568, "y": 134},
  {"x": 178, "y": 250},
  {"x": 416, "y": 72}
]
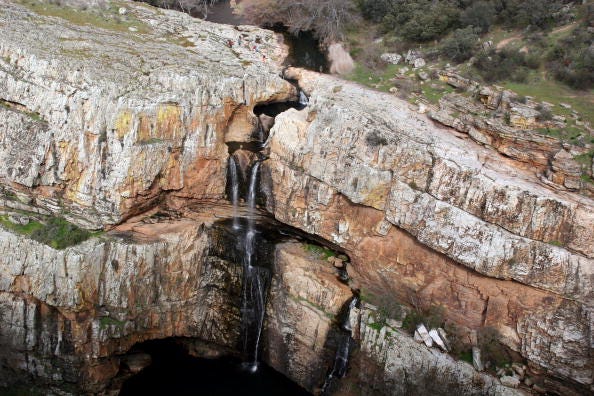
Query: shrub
[
  {"x": 374, "y": 10},
  {"x": 326, "y": 18},
  {"x": 544, "y": 113},
  {"x": 506, "y": 64},
  {"x": 460, "y": 46},
  {"x": 422, "y": 20},
  {"x": 374, "y": 139},
  {"x": 491, "y": 348},
  {"x": 480, "y": 15},
  {"x": 59, "y": 233},
  {"x": 431, "y": 318},
  {"x": 536, "y": 14},
  {"x": 407, "y": 86},
  {"x": 459, "y": 346},
  {"x": 189, "y": 6},
  {"x": 572, "y": 60}
]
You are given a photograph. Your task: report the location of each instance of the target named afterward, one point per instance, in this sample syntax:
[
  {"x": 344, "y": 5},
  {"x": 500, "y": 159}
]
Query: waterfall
[
  {"x": 255, "y": 281},
  {"x": 303, "y": 100},
  {"x": 251, "y": 203},
  {"x": 234, "y": 180},
  {"x": 341, "y": 359}
]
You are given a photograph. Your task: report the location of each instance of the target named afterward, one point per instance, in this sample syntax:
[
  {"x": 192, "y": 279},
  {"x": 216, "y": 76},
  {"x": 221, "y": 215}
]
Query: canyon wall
[
  {"x": 99, "y": 123},
  {"x": 428, "y": 215}
]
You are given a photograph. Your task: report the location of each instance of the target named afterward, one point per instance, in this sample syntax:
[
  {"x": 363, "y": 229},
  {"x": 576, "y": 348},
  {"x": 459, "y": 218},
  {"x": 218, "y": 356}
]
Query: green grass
[
  {"x": 14, "y": 107},
  {"x": 466, "y": 356},
  {"x": 28, "y": 229},
  {"x": 107, "y": 321},
  {"x": 376, "y": 325},
  {"x": 587, "y": 178},
  {"x": 53, "y": 231},
  {"x": 585, "y": 159},
  {"x": 376, "y": 79},
  {"x": 151, "y": 141},
  {"x": 556, "y": 93},
  {"x": 318, "y": 307},
  {"x": 101, "y": 18},
  {"x": 320, "y": 251},
  {"x": 433, "y": 91}
]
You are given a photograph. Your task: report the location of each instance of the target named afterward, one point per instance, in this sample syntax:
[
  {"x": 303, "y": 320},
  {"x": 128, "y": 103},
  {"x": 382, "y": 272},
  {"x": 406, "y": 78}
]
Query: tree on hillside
[
  {"x": 189, "y": 6},
  {"x": 326, "y": 18},
  {"x": 480, "y": 15}
]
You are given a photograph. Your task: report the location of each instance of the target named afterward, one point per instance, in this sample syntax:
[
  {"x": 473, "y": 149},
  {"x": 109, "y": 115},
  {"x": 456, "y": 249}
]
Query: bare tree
[
  {"x": 193, "y": 7},
  {"x": 327, "y": 18}
]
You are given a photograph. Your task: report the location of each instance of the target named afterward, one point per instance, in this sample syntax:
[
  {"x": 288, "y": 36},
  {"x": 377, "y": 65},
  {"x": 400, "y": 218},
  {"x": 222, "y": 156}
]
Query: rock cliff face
[
  {"x": 430, "y": 215},
  {"x": 101, "y": 121},
  {"x": 68, "y": 316},
  {"x": 114, "y": 118}
]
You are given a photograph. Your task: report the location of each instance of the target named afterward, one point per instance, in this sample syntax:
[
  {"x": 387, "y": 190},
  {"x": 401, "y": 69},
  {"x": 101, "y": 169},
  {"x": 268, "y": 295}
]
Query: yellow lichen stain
[
  {"x": 169, "y": 122},
  {"x": 377, "y": 196},
  {"x": 172, "y": 176},
  {"x": 123, "y": 123},
  {"x": 523, "y": 122},
  {"x": 145, "y": 129},
  {"x": 443, "y": 78},
  {"x": 71, "y": 169},
  {"x": 73, "y": 173}
]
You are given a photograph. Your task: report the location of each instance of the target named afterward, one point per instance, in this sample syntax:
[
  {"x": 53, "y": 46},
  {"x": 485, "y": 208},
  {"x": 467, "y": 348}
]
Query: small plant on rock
[
  {"x": 374, "y": 139},
  {"x": 489, "y": 342},
  {"x": 431, "y": 318}
]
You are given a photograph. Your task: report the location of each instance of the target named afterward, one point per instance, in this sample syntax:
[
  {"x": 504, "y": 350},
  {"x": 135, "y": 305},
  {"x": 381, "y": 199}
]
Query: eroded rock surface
[
  {"x": 391, "y": 363},
  {"x": 100, "y": 123},
  {"x": 367, "y": 173},
  {"x": 104, "y": 120},
  {"x": 69, "y": 316}
]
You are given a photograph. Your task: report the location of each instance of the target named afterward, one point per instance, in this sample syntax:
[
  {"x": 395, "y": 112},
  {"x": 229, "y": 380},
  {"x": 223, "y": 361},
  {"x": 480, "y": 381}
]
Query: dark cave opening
[{"x": 174, "y": 371}]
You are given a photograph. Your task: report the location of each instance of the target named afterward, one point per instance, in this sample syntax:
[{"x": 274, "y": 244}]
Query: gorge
[{"x": 240, "y": 221}]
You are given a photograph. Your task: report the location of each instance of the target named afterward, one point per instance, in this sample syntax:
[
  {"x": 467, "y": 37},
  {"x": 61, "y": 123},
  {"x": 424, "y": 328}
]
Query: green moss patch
[
  {"x": 56, "y": 232},
  {"x": 107, "y": 18}
]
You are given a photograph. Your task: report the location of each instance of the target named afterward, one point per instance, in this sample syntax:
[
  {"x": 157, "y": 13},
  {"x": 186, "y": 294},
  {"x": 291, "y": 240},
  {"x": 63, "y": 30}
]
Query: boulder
[
  {"x": 419, "y": 62},
  {"x": 443, "y": 335},
  {"x": 433, "y": 333},
  {"x": 520, "y": 370},
  {"x": 510, "y": 381},
  {"x": 266, "y": 122},
  {"x": 424, "y": 334},
  {"x": 411, "y": 56},
  {"x": 423, "y": 76},
  {"x": 391, "y": 57},
  {"x": 476, "y": 359},
  {"x": 137, "y": 362}
]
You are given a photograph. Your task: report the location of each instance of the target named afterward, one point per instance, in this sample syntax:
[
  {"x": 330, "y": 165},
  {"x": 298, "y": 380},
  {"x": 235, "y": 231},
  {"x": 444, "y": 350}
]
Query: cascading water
[
  {"x": 255, "y": 280},
  {"x": 341, "y": 359},
  {"x": 303, "y": 99},
  {"x": 234, "y": 180}
]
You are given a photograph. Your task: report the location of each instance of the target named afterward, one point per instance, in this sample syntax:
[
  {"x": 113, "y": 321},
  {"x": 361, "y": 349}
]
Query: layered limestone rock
[
  {"x": 104, "y": 115},
  {"x": 305, "y": 298},
  {"x": 301, "y": 336},
  {"x": 424, "y": 213},
  {"x": 69, "y": 316},
  {"x": 101, "y": 120},
  {"x": 391, "y": 363},
  {"x": 556, "y": 161}
]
